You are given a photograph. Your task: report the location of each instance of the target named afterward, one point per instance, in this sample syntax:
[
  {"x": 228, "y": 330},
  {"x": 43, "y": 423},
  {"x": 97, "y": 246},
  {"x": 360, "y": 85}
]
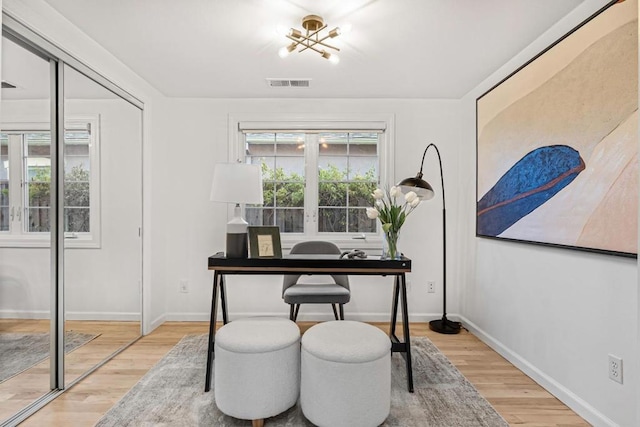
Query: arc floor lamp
[{"x": 425, "y": 191}]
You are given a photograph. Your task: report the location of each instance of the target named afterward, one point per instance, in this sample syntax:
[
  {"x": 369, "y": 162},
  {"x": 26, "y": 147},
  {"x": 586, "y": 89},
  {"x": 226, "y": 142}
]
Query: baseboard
[
  {"x": 566, "y": 396},
  {"x": 155, "y": 323},
  {"x": 25, "y": 314},
  {"x": 103, "y": 316},
  {"x": 73, "y": 315}
]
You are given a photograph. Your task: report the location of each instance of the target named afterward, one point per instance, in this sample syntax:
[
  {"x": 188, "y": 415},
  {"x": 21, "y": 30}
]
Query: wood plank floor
[
  {"x": 24, "y": 388},
  {"x": 514, "y": 395}
]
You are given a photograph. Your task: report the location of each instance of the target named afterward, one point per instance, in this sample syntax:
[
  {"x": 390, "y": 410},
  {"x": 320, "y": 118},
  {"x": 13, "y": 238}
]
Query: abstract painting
[{"x": 557, "y": 142}]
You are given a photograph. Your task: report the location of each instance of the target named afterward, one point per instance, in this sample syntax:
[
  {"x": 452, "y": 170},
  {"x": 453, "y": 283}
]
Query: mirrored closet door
[
  {"x": 102, "y": 221},
  {"x": 25, "y": 254},
  {"x": 70, "y": 221}
]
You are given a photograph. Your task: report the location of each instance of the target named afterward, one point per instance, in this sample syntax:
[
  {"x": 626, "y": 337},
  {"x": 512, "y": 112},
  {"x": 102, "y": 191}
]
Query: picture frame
[
  {"x": 557, "y": 142},
  {"x": 264, "y": 242}
]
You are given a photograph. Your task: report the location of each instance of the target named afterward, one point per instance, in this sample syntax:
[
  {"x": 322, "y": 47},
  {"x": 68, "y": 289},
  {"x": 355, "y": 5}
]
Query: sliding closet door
[
  {"x": 102, "y": 222},
  {"x": 25, "y": 254}
]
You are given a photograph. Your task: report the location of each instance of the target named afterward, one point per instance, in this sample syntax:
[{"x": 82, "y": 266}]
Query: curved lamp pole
[{"x": 425, "y": 192}]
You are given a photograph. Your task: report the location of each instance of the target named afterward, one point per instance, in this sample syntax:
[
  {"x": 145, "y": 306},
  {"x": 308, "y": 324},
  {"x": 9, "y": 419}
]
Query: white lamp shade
[{"x": 237, "y": 183}]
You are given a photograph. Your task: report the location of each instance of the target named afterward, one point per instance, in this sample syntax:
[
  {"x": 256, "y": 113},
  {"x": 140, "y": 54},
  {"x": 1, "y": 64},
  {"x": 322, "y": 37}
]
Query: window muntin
[{"x": 331, "y": 201}]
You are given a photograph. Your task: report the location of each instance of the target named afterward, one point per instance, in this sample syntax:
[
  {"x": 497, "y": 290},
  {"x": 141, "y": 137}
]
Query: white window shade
[{"x": 311, "y": 125}]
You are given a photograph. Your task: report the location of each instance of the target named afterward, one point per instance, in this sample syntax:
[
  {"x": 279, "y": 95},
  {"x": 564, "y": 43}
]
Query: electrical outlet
[
  {"x": 431, "y": 287},
  {"x": 184, "y": 286},
  {"x": 615, "y": 368}
]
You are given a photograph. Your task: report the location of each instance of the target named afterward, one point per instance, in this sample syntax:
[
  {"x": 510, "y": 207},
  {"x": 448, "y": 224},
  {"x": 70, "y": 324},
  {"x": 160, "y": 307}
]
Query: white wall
[
  {"x": 197, "y": 137},
  {"x": 554, "y": 313},
  {"x": 100, "y": 283}
]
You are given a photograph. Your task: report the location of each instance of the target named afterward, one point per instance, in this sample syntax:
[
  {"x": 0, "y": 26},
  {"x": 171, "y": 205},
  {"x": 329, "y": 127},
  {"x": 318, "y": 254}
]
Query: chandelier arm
[
  {"x": 310, "y": 46},
  {"x": 321, "y": 42}
]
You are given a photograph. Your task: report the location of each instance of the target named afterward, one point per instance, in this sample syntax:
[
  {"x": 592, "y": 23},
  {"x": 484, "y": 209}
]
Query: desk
[{"x": 318, "y": 264}]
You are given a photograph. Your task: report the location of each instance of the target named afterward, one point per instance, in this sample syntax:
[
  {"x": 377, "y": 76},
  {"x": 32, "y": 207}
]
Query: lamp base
[
  {"x": 237, "y": 245},
  {"x": 445, "y": 326}
]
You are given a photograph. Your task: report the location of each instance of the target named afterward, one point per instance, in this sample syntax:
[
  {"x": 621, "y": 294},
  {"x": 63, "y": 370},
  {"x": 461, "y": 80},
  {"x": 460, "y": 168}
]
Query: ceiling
[{"x": 397, "y": 48}]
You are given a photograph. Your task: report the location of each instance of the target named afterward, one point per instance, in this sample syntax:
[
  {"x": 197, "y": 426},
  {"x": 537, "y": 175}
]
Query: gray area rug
[
  {"x": 21, "y": 351},
  {"x": 171, "y": 394}
]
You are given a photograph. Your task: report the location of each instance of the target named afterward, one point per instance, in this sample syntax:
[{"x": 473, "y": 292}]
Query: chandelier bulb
[
  {"x": 283, "y": 52},
  {"x": 334, "y": 59}
]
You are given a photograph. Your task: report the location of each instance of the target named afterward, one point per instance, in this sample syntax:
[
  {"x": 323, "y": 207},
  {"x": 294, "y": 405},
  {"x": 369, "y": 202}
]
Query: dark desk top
[{"x": 325, "y": 264}]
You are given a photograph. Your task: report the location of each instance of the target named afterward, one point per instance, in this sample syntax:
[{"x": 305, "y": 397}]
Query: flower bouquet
[{"x": 392, "y": 214}]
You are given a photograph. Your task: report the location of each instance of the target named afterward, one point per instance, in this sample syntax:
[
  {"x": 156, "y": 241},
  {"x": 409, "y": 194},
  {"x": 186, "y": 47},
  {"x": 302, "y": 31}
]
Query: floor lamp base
[{"x": 445, "y": 326}]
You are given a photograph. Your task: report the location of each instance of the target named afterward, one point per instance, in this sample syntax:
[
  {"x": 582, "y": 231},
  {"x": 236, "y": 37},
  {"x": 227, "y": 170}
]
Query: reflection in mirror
[
  {"x": 25, "y": 257},
  {"x": 102, "y": 219}
]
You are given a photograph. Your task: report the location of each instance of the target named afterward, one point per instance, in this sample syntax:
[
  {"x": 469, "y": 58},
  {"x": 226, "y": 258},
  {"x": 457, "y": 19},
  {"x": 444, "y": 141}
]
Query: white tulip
[
  {"x": 395, "y": 191},
  {"x": 378, "y": 194},
  {"x": 410, "y": 196},
  {"x": 372, "y": 213},
  {"x": 415, "y": 202}
]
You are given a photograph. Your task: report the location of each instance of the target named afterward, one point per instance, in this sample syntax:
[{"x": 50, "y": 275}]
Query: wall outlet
[
  {"x": 615, "y": 368},
  {"x": 184, "y": 286},
  {"x": 431, "y": 287}
]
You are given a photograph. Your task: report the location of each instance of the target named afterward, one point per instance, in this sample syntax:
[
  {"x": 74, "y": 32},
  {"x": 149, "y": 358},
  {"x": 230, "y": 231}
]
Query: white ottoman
[
  {"x": 346, "y": 374},
  {"x": 257, "y": 367}
]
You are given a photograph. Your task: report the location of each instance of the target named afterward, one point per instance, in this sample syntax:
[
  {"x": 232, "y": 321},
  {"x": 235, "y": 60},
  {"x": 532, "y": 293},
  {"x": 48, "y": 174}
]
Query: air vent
[
  {"x": 289, "y": 82},
  {"x": 7, "y": 85}
]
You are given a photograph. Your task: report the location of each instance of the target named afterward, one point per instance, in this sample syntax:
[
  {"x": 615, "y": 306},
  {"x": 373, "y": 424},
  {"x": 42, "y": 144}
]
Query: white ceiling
[{"x": 397, "y": 48}]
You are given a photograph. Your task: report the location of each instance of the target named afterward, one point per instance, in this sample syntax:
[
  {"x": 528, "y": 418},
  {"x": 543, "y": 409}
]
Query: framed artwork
[
  {"x": 264, "y": 242},
  {"x": 557, "y": 142}
]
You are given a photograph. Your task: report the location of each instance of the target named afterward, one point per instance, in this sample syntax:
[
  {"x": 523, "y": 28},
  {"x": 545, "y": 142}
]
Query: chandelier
[{"x": 312, "y": 38}]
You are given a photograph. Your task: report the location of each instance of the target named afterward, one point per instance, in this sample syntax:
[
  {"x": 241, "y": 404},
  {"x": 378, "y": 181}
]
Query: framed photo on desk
[{"x": 264, "y": 242}]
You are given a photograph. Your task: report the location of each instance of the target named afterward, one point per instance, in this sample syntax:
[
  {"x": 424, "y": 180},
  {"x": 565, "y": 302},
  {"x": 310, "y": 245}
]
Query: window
[
  {"x": 317, "y": 181},
  {"x": 25, "y": 183}
]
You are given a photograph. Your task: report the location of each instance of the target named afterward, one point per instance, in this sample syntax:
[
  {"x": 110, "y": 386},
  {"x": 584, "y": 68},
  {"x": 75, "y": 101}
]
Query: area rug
[
  {"x": 21, "y": 351},
  {"x": 172, "y": 394}
]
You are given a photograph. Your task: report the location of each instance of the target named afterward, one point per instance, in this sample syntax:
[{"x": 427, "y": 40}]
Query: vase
[{"x": 390, "y": 245}]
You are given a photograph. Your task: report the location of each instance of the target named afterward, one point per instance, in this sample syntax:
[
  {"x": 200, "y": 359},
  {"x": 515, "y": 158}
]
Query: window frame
[
  {"x": 312, "y": 123},
  {"x": 18, "y": 236}
]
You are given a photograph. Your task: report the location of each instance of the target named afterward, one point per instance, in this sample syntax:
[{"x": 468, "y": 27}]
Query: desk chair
[{"x": 332, "y": 292}]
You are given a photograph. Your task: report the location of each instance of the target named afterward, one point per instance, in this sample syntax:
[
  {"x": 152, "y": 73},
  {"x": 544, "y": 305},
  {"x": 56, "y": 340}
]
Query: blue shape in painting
[{"x": 533, "y": 180}]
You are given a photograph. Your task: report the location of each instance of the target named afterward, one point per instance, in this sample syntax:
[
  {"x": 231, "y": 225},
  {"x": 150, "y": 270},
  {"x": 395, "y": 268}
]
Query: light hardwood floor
[
  {"x": 514, "y": 395},
  {"x": 24, "y": 388}
]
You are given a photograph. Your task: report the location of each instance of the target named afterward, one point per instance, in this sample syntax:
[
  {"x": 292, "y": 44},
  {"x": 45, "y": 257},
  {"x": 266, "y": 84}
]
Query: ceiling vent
[
  {"x": 289, "y": 82},
  {"x": 7, "y": 85}
]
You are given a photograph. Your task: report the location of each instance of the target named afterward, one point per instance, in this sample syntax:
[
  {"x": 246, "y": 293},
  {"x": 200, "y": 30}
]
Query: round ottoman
[
  {"x": 257, "y": 367},
  {"x": 346, "y": 374}
]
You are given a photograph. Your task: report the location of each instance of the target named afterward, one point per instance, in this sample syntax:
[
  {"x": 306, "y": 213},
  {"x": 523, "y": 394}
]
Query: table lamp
[{"x": 237, "y": 183}]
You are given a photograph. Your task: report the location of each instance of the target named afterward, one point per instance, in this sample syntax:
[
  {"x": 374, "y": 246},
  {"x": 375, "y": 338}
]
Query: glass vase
[{"x": 390, "y": 245}]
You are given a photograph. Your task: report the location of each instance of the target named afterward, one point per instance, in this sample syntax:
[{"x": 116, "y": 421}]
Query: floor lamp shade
[
  {"x": 424, "y": 190},
  {"x": 237, "y": 183}
]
